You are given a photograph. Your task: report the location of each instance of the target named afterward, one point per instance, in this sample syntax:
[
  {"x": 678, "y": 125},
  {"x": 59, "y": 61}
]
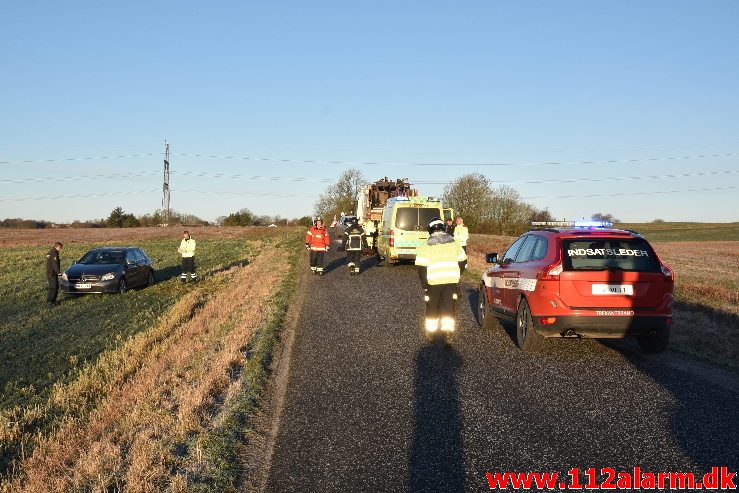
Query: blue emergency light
[{"x": 572, "y": 224}]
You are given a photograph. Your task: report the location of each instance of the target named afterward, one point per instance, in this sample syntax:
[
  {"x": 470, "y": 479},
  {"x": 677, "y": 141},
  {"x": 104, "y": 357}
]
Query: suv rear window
[
  {"x": 415, "y": 218},
  {"x": 629, "y": 254}
]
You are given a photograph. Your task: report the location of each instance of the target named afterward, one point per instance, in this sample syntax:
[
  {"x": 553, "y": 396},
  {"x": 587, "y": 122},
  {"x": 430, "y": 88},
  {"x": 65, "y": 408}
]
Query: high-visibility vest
[
  {"x": 187, "y": 248},
  {"x": 461, "y": 234},
  {"x": 441, "y": 262}
]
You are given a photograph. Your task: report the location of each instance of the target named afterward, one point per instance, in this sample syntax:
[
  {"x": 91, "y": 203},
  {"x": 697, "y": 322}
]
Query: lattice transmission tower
[{"x": 165, "y": 186}]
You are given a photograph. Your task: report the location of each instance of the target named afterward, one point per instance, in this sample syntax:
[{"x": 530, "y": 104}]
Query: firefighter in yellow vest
[
  {"x": 187, "y": 250},
  {"x": 440, "y": 263},
  {"x": 370, "y": 231},
  {"x": 461, "y": 234}
]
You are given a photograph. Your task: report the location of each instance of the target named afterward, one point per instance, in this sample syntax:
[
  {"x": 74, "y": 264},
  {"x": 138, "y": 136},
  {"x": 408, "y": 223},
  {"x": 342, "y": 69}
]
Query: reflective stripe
[
  {"x": 438, "y": 265},
  {"x": 448, "y": 276},
  {"x": 422, "y": 261},
  {"x": 318, "y": 249}
]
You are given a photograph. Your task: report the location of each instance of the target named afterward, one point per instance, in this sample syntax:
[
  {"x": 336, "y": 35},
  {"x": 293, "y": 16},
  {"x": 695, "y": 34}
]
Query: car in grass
[
  {"x": 580, "y": 280},
  {"x": 108, "y": 270}
]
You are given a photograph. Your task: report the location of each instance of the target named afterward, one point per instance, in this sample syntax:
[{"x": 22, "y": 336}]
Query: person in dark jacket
[
  {"x": 353, "y": 242},
  {"x": 449, "y": 228},
  {"x": 53, "y": 269}
]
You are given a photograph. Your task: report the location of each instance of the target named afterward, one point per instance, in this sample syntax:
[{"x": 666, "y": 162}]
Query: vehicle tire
[
  {"x": 526, "y": 337},
  {"x": 484, "y": 312},
  {"x": 656, "y": 343},
  {"x": 150, "y": 281},
  {"x": 122, "y": 286}
]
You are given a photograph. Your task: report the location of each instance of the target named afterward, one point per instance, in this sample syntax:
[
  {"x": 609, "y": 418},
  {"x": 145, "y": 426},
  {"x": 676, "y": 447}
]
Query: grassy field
[
  {"x": 101, "y": 391},
  {"x": 664, "y": 232},
  {"x": 706, "y": 292}
]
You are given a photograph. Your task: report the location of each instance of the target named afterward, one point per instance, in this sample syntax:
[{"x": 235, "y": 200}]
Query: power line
[
  {"x": 134, "y": 174},
  {"x": 79, "y": 196},
  {"x": 612, "y": 178},
  {"x": 252, "y": 177},
  {"x": 627, "y": 193},
  {"x": 57, "y": 160},
  {"x": 471, "y": 164},
  {"x": 260, "y": 194}
]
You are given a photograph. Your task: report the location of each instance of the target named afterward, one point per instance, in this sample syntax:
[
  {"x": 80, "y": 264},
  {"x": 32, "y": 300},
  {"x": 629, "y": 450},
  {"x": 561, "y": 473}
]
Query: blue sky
[{"x": 650, "y": 86}]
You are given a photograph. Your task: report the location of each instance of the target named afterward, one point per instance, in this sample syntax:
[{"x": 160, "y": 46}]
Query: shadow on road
[
  {"x": 437, "y": 450},
  {"x": 369, "y": 262},
  {"x": 473, "y": 298},
  {"x": 703, "y": 418},
  {"x": 335, "y": 264}
]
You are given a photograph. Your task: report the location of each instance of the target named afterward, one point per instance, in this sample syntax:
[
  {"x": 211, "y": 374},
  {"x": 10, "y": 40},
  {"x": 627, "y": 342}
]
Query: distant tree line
[
  {"x": 491, "y": 209},
  {"x": 244, "y": 217}
]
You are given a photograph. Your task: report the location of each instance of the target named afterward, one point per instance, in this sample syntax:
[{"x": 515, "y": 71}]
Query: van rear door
[{"x": 610, "y": 272}]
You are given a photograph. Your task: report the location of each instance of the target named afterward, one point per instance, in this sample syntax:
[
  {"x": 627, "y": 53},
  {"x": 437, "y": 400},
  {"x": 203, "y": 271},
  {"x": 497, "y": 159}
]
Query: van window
[
  {"x": 629, "y": 254},
  {"x": 415, "y": 218}
]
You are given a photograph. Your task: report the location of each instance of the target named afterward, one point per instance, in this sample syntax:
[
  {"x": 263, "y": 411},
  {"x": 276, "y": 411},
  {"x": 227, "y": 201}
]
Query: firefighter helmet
[
  {"x": 435, "y": 225},
  {"x": 318, "y": 218}
]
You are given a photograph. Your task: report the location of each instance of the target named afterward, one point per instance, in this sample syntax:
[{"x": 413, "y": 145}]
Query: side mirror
[{"x": 491, "y": 258}]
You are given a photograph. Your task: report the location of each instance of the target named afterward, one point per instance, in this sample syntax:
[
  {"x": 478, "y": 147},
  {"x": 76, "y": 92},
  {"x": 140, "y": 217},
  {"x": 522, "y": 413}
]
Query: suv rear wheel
[
  {"x": 526, "y": 337},
  {"x": 656, "y": 343}
]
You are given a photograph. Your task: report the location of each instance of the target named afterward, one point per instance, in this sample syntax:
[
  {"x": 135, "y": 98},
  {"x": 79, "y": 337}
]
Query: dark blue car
[{"x": 108, "y": 270}]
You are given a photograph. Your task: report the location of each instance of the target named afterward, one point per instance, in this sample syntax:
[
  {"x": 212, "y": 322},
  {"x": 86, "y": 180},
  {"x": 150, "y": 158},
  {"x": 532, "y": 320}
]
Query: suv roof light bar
[{"x": 572, "y": 224}]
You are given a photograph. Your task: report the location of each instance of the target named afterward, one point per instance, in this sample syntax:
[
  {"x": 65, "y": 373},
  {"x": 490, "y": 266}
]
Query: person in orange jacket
[{"x": 317, "y": 241}]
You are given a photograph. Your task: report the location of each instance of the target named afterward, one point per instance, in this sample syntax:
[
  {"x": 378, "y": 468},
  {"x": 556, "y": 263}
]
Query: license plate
[
  {"x": 617, "y": 289},
  {"x": 80, "y": 285}
]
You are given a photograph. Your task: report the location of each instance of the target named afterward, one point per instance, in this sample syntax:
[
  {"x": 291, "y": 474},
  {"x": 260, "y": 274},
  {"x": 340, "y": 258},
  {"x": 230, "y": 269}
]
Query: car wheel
[
  {"x": 151, "y": 280},
  {"x": 526, "y": 337},
  {"x": 656, "y": 343},
  {"x": 484, "y": 313},
  {"x": 122, "y": 286}
]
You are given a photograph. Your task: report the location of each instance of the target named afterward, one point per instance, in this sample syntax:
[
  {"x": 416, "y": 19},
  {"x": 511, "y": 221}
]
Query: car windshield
[
  {"x": 103, "y": 257},
  {"x": 628, "y": 254},
  {"x": 415, "y": 218}
]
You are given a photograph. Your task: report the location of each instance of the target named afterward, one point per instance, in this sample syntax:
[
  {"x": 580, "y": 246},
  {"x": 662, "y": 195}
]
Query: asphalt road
[{"x": 370, "y": 405}]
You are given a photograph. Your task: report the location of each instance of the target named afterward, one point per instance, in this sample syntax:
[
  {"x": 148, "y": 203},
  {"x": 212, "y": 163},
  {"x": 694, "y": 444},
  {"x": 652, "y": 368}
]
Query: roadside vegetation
[
  {"x": 706, "y": 309},
  {"x": 147, "y": 391}
]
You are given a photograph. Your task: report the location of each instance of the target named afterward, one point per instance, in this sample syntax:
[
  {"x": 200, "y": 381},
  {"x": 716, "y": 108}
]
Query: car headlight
[
  {"x": 64, "y": 276},
  {"x": 108, "y": 276}
]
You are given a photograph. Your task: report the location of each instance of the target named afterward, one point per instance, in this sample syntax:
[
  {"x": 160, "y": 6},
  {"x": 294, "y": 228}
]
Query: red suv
[{"x": 579, "y": 280}]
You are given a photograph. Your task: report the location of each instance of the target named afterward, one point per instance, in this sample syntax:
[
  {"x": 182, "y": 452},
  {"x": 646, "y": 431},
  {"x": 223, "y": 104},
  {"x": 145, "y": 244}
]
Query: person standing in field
[
  {"x": 449, "y": 227},
  {"x": 187, "y": 250},
  {"x": 317, "y": 241},
  {"x": 53, "y": 270},
  {"x": 461, "y": 234},
  {"x": 440, "y": 263}
]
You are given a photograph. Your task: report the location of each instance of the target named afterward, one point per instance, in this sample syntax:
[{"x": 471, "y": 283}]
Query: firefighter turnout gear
[
  {"x": 318, "y": 241},
  {"x": 440, "y": 263},
  {"x": 353, "y": 241},
  {"x": 53, "y": 270},
  {"x": 187, "y": 250}
]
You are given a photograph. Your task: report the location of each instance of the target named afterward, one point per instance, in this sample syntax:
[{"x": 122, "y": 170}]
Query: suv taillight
[
  {"x": 667, "y": 272},
  {"x": 391, "y": 240},
  {"x": 551, "y": 272}
]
